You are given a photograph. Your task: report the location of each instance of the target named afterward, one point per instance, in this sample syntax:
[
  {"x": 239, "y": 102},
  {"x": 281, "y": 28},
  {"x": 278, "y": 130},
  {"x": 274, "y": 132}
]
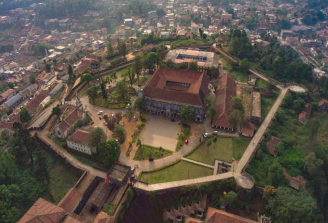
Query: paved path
[{"x": 198, "y": 163}]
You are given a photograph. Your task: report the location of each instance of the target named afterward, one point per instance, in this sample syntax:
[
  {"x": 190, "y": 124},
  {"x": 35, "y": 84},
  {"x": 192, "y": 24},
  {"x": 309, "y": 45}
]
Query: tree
[
  {"x": 186, "y": 114},
  {"x": 129, "y": 113},
  {"x": 92, "y": 93},
  {"x": 209, "y": 143},
  {"x": 201, "y": 32},
  {"x": 122, "y": 49},
  {"x": 32, "y": 79},
  {"x": 137, "y": 65},
  {"x": 293, "y": 206},
  {"x": 48, "y": 67},
  {"x": 325, "y": 88},
  {"x": 150, "y": 60},
  {"x": 120, "y": 133},
  {"x": 110, "y": 51},
  {"x": 87, "y": 78},
  {"x": 193, "y": 65},
  {"x": 211, "y": 113},
  {"x": 131, "y": 75},
  {"x": 139, "y": 143},
  {"x": 279, "y": 67},
  {"x": 236, "y": 112},
  {"x": 244, "y": 65},
  {"x": 96, "y": 136},
  {"x": 24, "y": 115},
  {"x": 276, "y": 175},
  {"x": 288, "y": 101},
  {"x": 56, "y": 111},
  {"x": 204, "y": 36},
  {"x": 231, "y": 199},
  {"x": 122, "y": 90},
  {"x": 41, "y": 167},
  {"x": 211, "y": 71},
  {"x": 109, "y": 152},
  {"x": 103, "y": 90},
  {"x": 140, "y": 105},
  {"x": 70, "y": 70}
]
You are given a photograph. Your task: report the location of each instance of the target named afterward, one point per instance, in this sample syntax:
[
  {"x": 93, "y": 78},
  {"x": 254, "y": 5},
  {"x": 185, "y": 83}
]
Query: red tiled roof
[
  {"x": 214, "y": 216},
  {"x": 306, "y": 113},
  {"x": 101, "y": 217},
  {"x": 70, "y": 200},
  {"x": 323, "y": 101},
  {"x": 225, "y": 92},
  {"x": 192, "y": 220},
  {"x": 272, "y": 144},
  {"x": 159, "y": 88},
  {"x": 7, "y": 93},
  {"x": 79, "y": 136},
  {"x": 6, "y": 125},
  {"x": 247, "y": 128},
  {"x": 43, "y": 211},
  {"x": 35, "y": 102},
  {"x": 70, "y": 120}
]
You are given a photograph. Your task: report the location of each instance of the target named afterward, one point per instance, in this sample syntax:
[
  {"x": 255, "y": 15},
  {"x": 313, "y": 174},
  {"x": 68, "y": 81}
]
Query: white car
[
  {"x": 105, "y": 123},
  {"x": 100, "y": 113},
  {"x": 206, "y": 135}
]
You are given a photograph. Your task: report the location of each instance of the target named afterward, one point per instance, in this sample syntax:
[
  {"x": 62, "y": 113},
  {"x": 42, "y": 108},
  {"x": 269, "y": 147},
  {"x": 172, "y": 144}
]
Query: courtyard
[{"x": 160, "y": 132}]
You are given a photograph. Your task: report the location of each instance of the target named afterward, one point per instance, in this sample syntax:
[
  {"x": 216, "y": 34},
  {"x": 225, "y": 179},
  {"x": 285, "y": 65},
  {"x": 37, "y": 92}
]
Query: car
[
  {"x": 105, "y": 123},
  {"x": 117, "y": 140},
  {"x": 211, "y": 86},
  {"x": 99, "y": 117},
  {"x": 100, "y": 113},
  {"x": 224, "y": 72},
  {"x": 151, "y": 159},
  {"x": 215, "y": 133},
  {"x": 135, "y": 118},
  {"x": 172, "y": 120},
  {"x": 206, "y": 135},
  {"x": 186, "y": 141}
]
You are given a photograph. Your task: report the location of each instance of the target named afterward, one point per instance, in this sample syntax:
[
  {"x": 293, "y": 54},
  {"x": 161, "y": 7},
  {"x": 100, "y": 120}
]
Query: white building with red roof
[{"x": 78, "y": 140}]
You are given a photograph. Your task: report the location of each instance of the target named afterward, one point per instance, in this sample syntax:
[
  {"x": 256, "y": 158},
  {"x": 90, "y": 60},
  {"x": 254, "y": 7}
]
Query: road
[{"x": 27, "y": 38}]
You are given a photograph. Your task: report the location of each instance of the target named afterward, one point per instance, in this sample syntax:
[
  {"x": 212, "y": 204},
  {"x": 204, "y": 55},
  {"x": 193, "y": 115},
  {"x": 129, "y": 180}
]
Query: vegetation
[
  {"x": 145, "y": 151},
  {"x": 179, "y": 171},
  {"x": 224, "y": 148},
  {"x": 186, "y": 114},
  {"x": 236, "y": 112},
  {"x": 109, "y": 152},
  {"x": 183, "y": 135},
  {"x": 120, "y": 132},
  {"x": 280, "y": 62},
  {"x": 96, "y": 136},
  {"x": 24, "y": 115},
  {"x": 302, "y": 151}
]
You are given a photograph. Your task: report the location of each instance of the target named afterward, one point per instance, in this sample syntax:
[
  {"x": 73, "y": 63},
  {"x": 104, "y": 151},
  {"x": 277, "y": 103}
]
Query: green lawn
[
  {"x": 180, "y": 171},
  {"x": 90, "y": 160},
  {"x": 267, "y": 103},
  {"x": 145, "y": 152},
  {"x": 235, "y": 74},
  {"x": 224, "y": 149},
  {"x": 261, "y": 83},
  {"x": 61, "y": 180},
  {"x": 143, "y": 80}
]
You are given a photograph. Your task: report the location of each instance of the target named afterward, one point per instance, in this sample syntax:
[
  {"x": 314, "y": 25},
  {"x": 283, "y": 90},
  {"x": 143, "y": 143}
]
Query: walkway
[{"x": 197, "y": 163}]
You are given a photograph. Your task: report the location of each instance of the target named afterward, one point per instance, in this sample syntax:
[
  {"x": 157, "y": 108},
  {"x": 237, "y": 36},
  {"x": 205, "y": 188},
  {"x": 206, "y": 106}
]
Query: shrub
[{"x": 143, "y": 118}]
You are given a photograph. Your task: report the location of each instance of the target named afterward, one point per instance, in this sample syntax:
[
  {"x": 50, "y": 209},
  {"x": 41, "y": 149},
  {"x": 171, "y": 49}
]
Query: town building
[
  {"x": 204, "y": 60},
  {"x": 7, "y": 95},
  {"x": 14, "y": 102},
  {"x": 271, "y": 145},
  {"x": 7, "y": 126},
  {"x": 256, "y": 108},
  {"x": 304, "y": 116},
  {"x": 169, "y": 89},
  {"x": 66, "y": 126},
  {"x": 79, "y": 141},
  {"x": 224, "y": 93},
  {"x": 57, "y": 90},
  {"x": 247, "y": 129},
  {"x": 226, "y": 17},
  {"x": 323, "y": 105}
]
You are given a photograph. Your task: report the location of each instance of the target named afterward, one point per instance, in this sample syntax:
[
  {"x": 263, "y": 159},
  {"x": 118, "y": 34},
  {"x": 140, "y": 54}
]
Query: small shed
[{"x": 119, "y": 174}]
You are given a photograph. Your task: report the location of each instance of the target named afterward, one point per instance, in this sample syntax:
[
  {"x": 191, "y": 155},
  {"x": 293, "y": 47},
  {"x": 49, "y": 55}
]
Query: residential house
[
  {"x": 225, "y": 92},
  {"x": 226, "y": 17},
  {"x": 324, "y": 62},
  {"x": 152, "y": 15},
  {"x": 35, "y": 104},
  {"x": 247, "y": 129},
  {"x": 58, "y": 89},
  {"x": 323, "y": 105},
  {"x": 256, "y": 108},
  {"x": 297, "y": 182},
  {"x": 194, "y": 28},
  {"x": 7, "y": 126},
  {"x": 71, "y": 200},
  {"x": 7, "y": 95},
  {"x": 14, "y": 101},
  {"x": 128, "y": 21},
  {"x": 271, "y": 145},
  {"x": 169, "y": 89},
  {"x": 30, "y": 90},
  {"x": 66, "y": 126},
  {"x": 98, "y": 44},
  {"x": 78, "y": 140},
  {"x": 304, "y": 116}
]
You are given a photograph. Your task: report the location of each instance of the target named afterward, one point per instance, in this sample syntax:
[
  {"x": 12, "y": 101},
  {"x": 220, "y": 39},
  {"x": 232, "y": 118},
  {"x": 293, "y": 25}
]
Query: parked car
[
  {"x": 206, "y": 135},
  {"x": 215, "y": 133},
  {"x": 186, "y": 141},
  {"x": 172, "y": 120},
  {"x": 135, "y": 118},
  {"x": 117, "y": 141},
  {"x": 99, "y": 117},
  {"x": 151, "y": 159},
  {"x": 105, "y": 123},
  {"x": 100, "y": 113}
]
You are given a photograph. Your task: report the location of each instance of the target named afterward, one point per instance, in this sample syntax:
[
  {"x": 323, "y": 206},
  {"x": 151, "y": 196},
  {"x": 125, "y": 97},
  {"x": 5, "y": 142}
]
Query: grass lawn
[
  {"x": 145, "y": 152},
  {"x": 61, "y": 180},
  {"x": 267, "y": 103},
  {"x": 235, "y": 74},
  {"x": 90, "y": 160},
  {"x": 261, "y": 83},
  {"x": 224, "y": 149},
  {"x": 180, "y": 171},
  {"x": 143, "y": 80}
]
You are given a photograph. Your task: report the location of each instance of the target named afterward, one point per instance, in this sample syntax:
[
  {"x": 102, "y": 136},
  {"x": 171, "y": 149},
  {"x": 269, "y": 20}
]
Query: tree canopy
[
  {"x": 186, "y": 114},
  {"x": 96, "y": 136},
  {"x": 109, "y": 152}
]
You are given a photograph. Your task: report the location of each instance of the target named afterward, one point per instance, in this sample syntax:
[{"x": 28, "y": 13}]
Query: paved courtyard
[{"x": 160, "y": 132}]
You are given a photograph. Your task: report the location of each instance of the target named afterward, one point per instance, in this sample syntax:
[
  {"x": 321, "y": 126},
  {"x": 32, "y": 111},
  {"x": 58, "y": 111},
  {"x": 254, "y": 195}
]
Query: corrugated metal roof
[{"x": 13, "y": 100}]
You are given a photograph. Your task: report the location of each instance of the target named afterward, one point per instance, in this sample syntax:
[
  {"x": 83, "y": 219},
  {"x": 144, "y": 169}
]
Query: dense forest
[
  {"x": 277, "y": 61},
  {"x": 24, "y": 174},
  {"x": 301, "y": 151}
]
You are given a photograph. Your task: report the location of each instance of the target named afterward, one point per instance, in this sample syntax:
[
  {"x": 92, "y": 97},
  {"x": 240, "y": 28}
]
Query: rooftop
[
  {"x": 181, "y": 86},
  {"x": 118, "y": 172},
  {"x": 205, "y": 59},
  {"x": 70, "y": 200},
  {"x": 80, "y": 137}
]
